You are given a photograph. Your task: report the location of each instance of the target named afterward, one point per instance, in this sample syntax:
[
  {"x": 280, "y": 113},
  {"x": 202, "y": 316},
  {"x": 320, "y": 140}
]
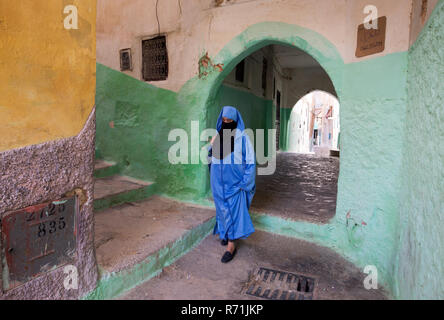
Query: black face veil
[{"x": 224, "y": 143}]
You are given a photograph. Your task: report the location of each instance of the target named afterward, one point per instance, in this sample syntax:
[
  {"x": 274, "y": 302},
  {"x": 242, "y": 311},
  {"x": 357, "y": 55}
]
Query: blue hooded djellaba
[{"x": 233, "y": 177}]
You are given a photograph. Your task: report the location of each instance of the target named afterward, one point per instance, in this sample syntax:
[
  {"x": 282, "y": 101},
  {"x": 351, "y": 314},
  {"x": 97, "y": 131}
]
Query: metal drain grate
[{"x": 279, "y": 285}]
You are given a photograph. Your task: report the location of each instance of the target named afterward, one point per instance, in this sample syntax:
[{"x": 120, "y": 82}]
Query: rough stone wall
[
  {"x": 44, "y": 172},
  {"x": 421, "y": 253},
  {"x": 133, "y": 123}
]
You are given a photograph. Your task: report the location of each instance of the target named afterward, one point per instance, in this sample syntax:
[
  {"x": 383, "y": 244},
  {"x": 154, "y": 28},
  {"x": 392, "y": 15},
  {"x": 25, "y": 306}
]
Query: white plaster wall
[{"x": 194, "y": 27}]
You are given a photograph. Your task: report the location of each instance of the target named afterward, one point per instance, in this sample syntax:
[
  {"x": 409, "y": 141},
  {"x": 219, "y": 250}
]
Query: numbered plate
[{"x": 38, "y": 239}]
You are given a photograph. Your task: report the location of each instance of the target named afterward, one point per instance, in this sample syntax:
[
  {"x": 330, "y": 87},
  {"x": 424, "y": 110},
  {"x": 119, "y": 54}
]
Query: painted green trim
[
  {"x": 127, "y": 196},
  {"x": 113, "y": 285}
]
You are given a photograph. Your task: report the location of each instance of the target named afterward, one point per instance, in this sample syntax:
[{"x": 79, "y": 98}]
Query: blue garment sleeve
[{"x": 249, "y": 160}]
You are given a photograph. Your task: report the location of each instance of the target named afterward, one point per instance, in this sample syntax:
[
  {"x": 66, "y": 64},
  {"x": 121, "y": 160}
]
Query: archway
[{"x": 263, "y": 92}]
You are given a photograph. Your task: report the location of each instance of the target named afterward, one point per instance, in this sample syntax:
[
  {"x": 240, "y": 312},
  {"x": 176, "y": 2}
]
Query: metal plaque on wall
[
  {"x": 371, "y": 41},
  {"x": 37, "y": 239}
]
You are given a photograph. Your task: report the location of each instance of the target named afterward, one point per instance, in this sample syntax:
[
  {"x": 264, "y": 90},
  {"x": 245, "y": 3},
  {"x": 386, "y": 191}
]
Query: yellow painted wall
[{"x": 47, "y": 73}]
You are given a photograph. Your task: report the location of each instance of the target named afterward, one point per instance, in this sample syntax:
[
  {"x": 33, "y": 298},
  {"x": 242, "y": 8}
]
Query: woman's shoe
[
  {"x": 228, "y": 256},
  {"x": 224, "y": 242}
]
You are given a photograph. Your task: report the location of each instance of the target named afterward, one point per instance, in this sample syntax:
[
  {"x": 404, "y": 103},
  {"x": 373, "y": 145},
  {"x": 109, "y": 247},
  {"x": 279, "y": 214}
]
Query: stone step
[
  {"x": 104, "y": 168},
  {"x": 199, "y": 275},
  {"x": 115, "y": 190},
  {"x": 135, "y": 241}
]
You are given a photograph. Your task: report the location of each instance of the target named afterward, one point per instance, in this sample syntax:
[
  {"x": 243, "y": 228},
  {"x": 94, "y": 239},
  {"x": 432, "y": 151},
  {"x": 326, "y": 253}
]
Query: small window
[
  {"x": 125, "y": 60},
  {"x": 154, "y": 59},
  {"x": 240, "y": 71}
]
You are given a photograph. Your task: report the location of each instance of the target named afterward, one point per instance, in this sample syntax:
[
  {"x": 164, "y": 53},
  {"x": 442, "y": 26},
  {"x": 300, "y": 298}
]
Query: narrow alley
[{"x": 210, "y": 150}]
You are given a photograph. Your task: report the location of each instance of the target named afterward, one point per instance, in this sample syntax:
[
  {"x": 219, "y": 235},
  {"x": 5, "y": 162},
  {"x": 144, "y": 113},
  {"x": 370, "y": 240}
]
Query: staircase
[{"x": 138, "y": 233}]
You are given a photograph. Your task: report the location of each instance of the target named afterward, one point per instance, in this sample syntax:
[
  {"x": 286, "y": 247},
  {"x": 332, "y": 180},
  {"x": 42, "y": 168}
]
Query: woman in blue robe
[{"x": 233, "y": 175}]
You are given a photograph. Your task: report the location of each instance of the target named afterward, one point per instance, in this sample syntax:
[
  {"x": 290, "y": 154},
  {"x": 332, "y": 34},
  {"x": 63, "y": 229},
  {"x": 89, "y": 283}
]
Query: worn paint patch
[
  {"x": 127, "y": 114},
  {"x": 206, "y": 66}
]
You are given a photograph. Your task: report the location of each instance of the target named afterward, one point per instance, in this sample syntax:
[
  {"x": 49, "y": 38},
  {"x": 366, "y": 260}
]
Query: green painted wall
[
  {"x": 373, "y": 109},
  {"x": 421, "y": 253},
  {"x": 372, "y": 94},
  {"x": 284, "y": 130},
  {"x": 143, "y": 115}
]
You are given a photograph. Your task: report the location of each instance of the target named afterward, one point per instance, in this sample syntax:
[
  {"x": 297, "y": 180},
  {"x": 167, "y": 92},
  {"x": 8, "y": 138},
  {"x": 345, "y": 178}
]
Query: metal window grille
[{"x": 154, "y": 59}]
